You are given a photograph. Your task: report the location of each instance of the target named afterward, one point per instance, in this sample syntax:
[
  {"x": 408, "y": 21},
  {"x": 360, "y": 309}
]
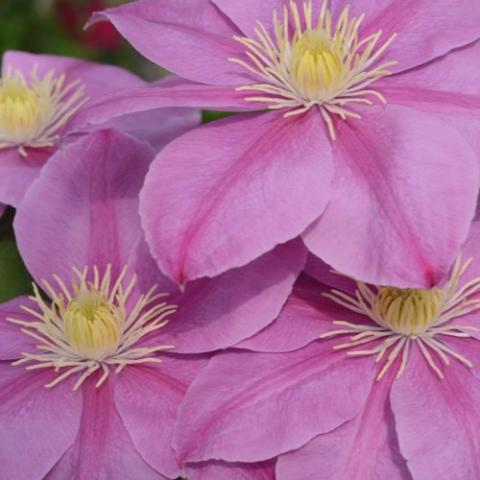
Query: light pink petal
[
  {"x": 245, "y": 14},
  {"x": 12, "y": 340},
  {"x": 191, "y": 38},
  {"x": 103, "y": 449},
  {"x": 215, "y": 470},
  {"x": 405, "y": 205},
  {"x": 425, "y": 30},
  {"x": 449, "y": 87},
  {"x": 267, "y": 404},
  {"x": 363, "y": 448},
  {"x": 437, "y": 421},
  {"x": 206, "y": 210},
  {"x": 17, "y": 173},
  {"x": 147, "y": 400},
  {"x": 37, "y": 425},
  {"x": 220, "y": 312},
  {"x": 171, "y": 92},
  {"x": 157, "y": 127},
  {"x": 97, "y": 79},
  {"x": 84, "y": 205},
  {"x": 306, "y": 315}
]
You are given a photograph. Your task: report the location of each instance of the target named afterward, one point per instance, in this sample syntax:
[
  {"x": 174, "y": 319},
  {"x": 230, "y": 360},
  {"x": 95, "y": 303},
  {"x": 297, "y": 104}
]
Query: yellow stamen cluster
[
  {"x": 32, "y": 113},
  {"x": 307, "y": 63},
  {"x": 402, "y": 317},
  {"x": 408, "y": 311},
  {"x": 90, "y": 326}
]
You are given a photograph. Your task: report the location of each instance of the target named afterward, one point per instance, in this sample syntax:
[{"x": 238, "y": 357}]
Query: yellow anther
[{"x": 408, "y": 311}]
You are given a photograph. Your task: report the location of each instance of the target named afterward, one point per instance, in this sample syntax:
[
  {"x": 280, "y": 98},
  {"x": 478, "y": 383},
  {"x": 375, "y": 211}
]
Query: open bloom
[
  {"x": 369, "y": 114},
  {"x": 101, "y": 359},
  {"x": 358, "y": 381},
  {"x": 40, "y": 95}
]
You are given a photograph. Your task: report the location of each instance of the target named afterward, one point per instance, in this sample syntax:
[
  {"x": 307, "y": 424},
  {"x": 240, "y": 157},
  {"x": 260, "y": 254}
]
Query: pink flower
[
  {"x": 367, "y": 132},
  {"x": 40, "y": 95},
  {"x": 115, "y": 352},
  {"x": 356, "y": 382}
]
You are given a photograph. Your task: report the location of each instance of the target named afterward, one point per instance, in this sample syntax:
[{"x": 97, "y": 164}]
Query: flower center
[
  {"x": 305, "y": 64},
  {"x": 408, "y": 311},
  {"x": 396, "y": 318},
  {"x": 32, "y": 113},
  {"x": 315, "y": 64},
  {"x": 93, "y": 325}
]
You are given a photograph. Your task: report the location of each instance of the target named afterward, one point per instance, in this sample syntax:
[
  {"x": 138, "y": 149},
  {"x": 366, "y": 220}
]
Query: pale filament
[{"x": 391, "y": 342}]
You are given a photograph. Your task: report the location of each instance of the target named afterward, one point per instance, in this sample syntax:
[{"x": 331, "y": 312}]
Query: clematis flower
[
  {"x": 361, "y": 381},
  {"x": 101, "y": 359},
  {"x": 39, "y": 97},
  {"x": 369, "y": 114}
]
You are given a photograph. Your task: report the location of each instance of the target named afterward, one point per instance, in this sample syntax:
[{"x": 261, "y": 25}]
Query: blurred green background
[{"x": 56, "y": 26}]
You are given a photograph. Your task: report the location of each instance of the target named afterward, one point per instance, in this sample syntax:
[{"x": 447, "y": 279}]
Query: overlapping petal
[
  {"x": 220, "y": 312},
  {"x": 298, "y": 395},
  {"x": 207, "y": 209},
  {"x": 147, "y": 400},
  {"x": 365, "y": 447},
  {"x": 401, "y": 197},
  {"x": 306, "y": 315}
]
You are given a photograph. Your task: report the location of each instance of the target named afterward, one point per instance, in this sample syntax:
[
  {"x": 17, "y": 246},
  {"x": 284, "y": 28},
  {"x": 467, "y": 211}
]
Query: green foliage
[{"x": 14, "y": 278}]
